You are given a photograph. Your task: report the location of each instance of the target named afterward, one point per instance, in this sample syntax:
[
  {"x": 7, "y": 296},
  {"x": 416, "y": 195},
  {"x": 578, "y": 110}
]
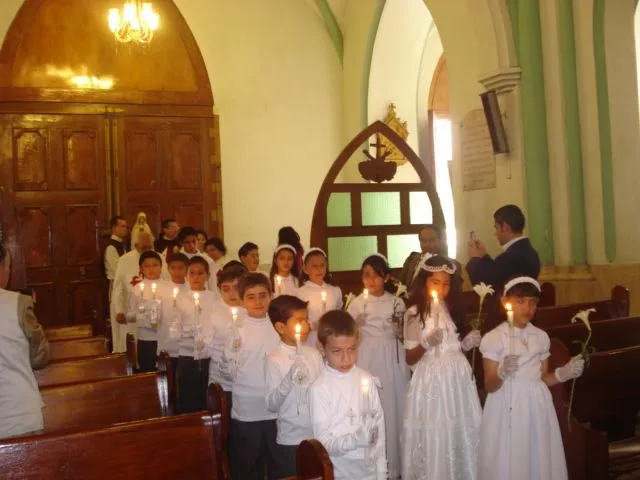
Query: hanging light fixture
[{"x": 136, "y": 23}]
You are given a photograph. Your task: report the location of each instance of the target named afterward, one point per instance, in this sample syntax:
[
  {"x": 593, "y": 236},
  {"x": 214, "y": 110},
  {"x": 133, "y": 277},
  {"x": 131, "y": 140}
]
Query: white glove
[
  {"x": 361, "y": 319},
  {"x": 363, "y": 436},
  {"x": 572, "y": 369},
  {"x": 433, "y": 338},
  {"x": 472, "y": 340},
  {"x": 296, "y": 375},
  {"x": 508, "y": 366},
  {"x": 226, "y": 368}
]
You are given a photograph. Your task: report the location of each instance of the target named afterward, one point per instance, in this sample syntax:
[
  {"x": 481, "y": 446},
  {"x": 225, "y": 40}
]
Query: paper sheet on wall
[{"x": 478, "y": 160}]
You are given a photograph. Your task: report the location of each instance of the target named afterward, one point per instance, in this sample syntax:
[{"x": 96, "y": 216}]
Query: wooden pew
[
  {"x": 585, "y": 449},
  {"x": 69, "y": 332},
  {"x": 97, "y": 404},
  {"x": 84, "y": 347},
  {"x": 83, "y": 370},
  {"x": 169, "y": 448},
  {"x": 607, "y": 334},
  {"x": 616, "y": 307},
  {"x": 313, "y": 462},
  {"x": 217, "y": 402}
]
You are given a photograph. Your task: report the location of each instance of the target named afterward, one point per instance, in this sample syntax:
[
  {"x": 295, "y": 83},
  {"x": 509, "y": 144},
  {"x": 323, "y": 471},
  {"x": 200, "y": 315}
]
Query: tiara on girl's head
[
  {"x": 438, "y": 268},
  {"x": 518, "y": 280},
  {"x": 285, "y": 246},
  {"x": 310, "y": 251},
  {"x": 376, "y": 254}
]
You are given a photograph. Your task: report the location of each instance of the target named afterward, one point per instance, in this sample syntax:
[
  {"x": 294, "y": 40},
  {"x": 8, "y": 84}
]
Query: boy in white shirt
[
  {"x": 253, "y": 427},
  {"x": 177, "y": 268},
  {"x": 290, "y": 370},
  {"x": 346, "y": 413}
]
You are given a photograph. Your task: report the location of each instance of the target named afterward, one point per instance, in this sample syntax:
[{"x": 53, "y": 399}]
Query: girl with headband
[
  {"x": 284, "y": 271},
  {"x": 520, "y": 435},
  {"x": 379, "y": 313}
]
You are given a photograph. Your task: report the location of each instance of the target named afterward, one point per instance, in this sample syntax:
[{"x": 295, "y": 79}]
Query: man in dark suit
[
  {"x": 517, "y": 259},
  {"x": 430, "y": 237}
]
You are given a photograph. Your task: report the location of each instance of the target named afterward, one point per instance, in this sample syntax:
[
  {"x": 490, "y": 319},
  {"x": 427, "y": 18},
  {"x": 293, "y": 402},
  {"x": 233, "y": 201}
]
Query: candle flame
[
  {"x": 365, "y": 384},
  {"x": 508, "y": 307},
  {"x": 366, "y": 292},
  {"x": 234, "y": 311},
  {"x": 298, "y": 329},
  {"x": 323, "y": 294},
  {"x": 434, "y": 294},
  {"x": 175, "y": 292},
  {"x": 196, "y": 297},
  {"x": 154, "y": 287},
  {"x": 141, "y": 286}
]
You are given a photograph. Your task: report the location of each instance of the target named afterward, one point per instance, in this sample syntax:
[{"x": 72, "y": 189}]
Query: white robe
[
  {"x": 312, "y": 293},
  {"x": 127, "y": 273},
  {"x": 170, "y": 313},
  {"x": 381, "y": 353},
  {"x": 335, "y": 403}
]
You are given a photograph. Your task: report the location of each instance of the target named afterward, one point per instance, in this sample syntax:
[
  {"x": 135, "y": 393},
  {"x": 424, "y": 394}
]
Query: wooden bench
[
  {"x": 585, "y": 449},
  {"x": 83, "y": 370},
  {"x": 68, "y": 332},
  {"x": 84, "y": 347},
  {"x": 607, "y": 334},
  {"x": 313, "y": 462},
  {"x": 169, "y": 448},
  {"x": 97, "y": 404},
  {"x": 616, "y": 307}
]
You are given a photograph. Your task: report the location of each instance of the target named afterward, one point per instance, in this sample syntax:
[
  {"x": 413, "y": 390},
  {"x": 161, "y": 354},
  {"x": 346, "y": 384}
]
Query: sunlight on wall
[{"x": 443, "y": 149}]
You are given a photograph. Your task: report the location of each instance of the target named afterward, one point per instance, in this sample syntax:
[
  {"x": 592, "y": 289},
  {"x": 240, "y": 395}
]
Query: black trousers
[
  {"x": 253, "y": 446},
  {"x": 192, "y": 381},
  {"x": 147, "y": 355},
  {"x": 286, "y": 460}
]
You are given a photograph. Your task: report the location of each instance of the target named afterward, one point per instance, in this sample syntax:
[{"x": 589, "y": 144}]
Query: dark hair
[
  {"x": 217, "y": 243},
  {"x": 382, "y": 269},
  {"x": 186, "y": 232},
  {"x": 177, "y": 257},
  {"x": 422, "y": 301},
  {"x": 114, "y": 220},
  {"x": 282, "y": 308},
  {"x": 524, "y": 289},
  {"x": 3, "y": 254},
  {"x": 253, "y": 279},
  {"x": 234, "y": 264},
  {"x": 512, "y": 216},
  {"x": 295, "y": 271},
  {"x": 336, "y": 323},
  {"x": 431, "y": 226},
  {"x": 289, "y": 236},
  {"x": 203, "y": 233},
  {"x": 246, "y": 248},
  {"x": 314, "y": 253},
  {"x": 230, "y": 274},
  {"x": 147, "y": 255},
  {"x": 167, "y": 221},
  {"x": 198, "y": 260}
]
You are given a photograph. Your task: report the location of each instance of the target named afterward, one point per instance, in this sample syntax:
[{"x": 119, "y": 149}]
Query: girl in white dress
[
  {"x": 379, "y": 314},
  {"x": 520, "y": 436},
  {"x": 443, "y": 414},
  {"x": 284, "y": 271},
  {"x": 317, "y": 290}
]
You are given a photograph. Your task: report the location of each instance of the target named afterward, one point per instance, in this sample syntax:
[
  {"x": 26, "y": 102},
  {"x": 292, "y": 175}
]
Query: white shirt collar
[
  {"x": 511, "y": 242},
  {"x": 116, "y": 238}
]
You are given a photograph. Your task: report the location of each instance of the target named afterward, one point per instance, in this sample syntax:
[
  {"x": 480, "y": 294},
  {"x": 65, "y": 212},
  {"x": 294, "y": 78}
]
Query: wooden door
[
  {"x": 164, "y": 168},
  {"x": 53, "y": 169}
]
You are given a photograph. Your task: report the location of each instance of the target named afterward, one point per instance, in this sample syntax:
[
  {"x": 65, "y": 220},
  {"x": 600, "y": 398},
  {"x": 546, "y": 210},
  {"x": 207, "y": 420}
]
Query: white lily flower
[
  {"x": 348, "y": 299},
  {"x": 482, "y": 289},
  {"x": 583, "y": 316},
  {"x": 401, "y": 290}
]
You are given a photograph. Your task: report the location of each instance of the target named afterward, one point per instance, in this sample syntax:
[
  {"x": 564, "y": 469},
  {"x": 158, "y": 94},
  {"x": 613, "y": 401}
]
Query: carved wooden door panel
[
  {"x": 54, "y": 170},
  {"x": 164, "y": 169}
]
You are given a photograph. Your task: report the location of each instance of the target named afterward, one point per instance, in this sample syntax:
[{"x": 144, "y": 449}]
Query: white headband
[
  {"x": 439, "y": 268},
  {"x": 285, "y": 246},
  {"x": 376, "y": 254},
  {"x": 310, "y": 251},
  {"x": 518, "y": 280}
]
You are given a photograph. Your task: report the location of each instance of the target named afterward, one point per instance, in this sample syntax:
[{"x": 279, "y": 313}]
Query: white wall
[{"x": 276, "y": 82}]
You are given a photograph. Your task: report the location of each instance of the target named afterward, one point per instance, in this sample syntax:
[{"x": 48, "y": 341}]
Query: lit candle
[
  {"x": 154, "y": 287},
  {"x": 196, "y": 300},
  {"x": 435, "y": 313},
  {"x": 278, "y": 284},
  {"x": 365, "y": 387},
  {"x": 298, "y": 335},
  {"x": 142, "y": 290},
  {"x": 323, "y": 296},
  {"x": 175, "y": 295},
  {"x": 512, "y": 338},
  {"x": 234, "y": 314}
]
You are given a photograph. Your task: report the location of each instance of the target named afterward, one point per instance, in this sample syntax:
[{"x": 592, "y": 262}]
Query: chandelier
[{"x": 136, "y": 24}]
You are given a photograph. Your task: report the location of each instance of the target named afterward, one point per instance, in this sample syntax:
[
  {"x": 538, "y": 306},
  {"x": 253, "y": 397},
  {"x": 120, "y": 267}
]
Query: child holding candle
[
  {"x": 225, "y": 317},
  {"x": 378, "y": 312},
  {"x": 253, "y": 427},
  {"x": 321, "y": 296},
  {"x": 520, "y": 435},
  {"x": 196, "y": 332},
  {"x": 443, "y": 413},
  {"x": 290, "y": 370},
  {"x": 346, "y": 413},
  {"x": 284, "y": 271},
  {"x": 145, "y": 309}
]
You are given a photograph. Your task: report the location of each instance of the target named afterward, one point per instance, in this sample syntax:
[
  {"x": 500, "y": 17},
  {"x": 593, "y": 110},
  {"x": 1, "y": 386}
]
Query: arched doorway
[{"x": 90, "y": 128}]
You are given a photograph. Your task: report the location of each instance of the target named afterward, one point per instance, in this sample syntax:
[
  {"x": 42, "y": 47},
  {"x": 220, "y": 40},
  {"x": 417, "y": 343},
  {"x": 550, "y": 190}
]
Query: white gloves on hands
[
  {"x": 367, "y": 434},
  {"x": 433, "y": 338},
  {"x": 508, "y": 366},
  {"x": 296, "y": 375},
  {"x": 472, "y": 340},
  {"x": 361, "y": 319},
  {"x": 572, "y": 369}
]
